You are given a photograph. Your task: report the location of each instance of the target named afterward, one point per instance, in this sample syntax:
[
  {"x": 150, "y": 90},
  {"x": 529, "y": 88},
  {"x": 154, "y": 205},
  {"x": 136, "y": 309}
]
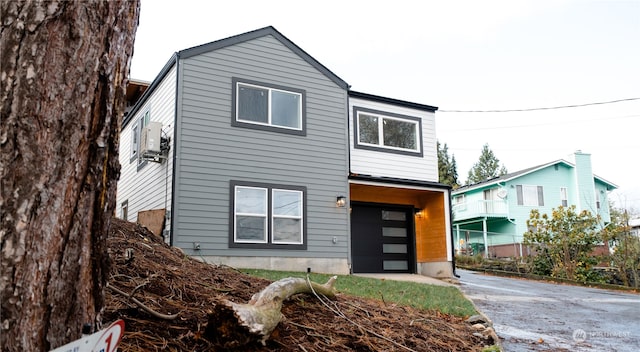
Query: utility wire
[
  {"x": 554, "y": 123},
  {"x": 545, "y": 108}
]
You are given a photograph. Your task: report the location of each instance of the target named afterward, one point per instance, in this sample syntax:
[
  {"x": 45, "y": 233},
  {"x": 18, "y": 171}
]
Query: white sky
[{"x": 457, "y": 55}]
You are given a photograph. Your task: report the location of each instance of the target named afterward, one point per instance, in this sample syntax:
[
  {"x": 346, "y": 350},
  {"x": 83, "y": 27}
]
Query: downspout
[
  {"x": 453, "y": 247},
  {"x": 175, "y": 151},
  {"x": 349, "y": 234}
]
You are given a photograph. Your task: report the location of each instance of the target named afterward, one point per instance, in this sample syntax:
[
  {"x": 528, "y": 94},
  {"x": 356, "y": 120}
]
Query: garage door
[{"x": 382, "y": 239}]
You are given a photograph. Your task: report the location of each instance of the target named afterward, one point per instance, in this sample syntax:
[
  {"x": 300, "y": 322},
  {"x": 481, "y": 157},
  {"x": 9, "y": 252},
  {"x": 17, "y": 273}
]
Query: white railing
[{"x": 480, "y": 208}]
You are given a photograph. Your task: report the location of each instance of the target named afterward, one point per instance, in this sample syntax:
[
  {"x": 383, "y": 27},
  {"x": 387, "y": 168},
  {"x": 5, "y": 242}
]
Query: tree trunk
[
  {"x": 232, "y": 325},
  {"x": 64, "y": 67}
]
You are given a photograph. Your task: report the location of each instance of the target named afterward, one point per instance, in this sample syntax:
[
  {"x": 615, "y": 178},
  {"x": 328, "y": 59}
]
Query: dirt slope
[{"x": 169, "y": 282}]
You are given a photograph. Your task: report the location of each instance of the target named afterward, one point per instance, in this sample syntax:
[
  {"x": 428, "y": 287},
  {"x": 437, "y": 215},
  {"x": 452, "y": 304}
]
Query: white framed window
[
  {"x": 286, "y": 224},
  {"x": 597, "y": 200},
  {"x": 530, "y": 195},
  {"x": 386, "y": 131},
  {"x": 136, "y": 135},
  {"x": 124, "y": 210},
  {"x": 564, "y": 199},
  {"x": 267, "y": 215},
  {"x": 459, "y": 202},
  {"x": 250, "y": 215},
  {"x": 266, "y": 106}
]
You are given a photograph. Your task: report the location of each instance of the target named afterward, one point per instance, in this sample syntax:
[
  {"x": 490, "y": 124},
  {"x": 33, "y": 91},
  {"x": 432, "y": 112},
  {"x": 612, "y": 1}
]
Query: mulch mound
[{"x": 167, "y": 281}]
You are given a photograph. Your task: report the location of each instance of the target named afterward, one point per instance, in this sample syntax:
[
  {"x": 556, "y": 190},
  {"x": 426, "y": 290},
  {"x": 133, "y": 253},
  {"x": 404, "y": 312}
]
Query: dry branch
[
  {"x": 235, "y": 324},
  {"x": 142, "y": 305}
]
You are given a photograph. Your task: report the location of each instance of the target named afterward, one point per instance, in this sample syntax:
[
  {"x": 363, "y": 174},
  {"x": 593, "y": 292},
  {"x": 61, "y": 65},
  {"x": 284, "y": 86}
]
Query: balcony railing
[{"x": 480, "y": 208}]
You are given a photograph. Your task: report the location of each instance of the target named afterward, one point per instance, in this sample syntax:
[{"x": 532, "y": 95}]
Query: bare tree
[{"x": 64, "y": 68}]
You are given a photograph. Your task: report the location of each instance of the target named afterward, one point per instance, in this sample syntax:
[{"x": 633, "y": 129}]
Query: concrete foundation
[
  {"x": 317, "y": 265},
  {"x": 440, "y": 270}
]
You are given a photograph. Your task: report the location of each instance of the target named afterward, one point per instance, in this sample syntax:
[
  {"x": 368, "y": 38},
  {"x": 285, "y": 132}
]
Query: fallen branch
[
  {"x": 234, "y": 324},
  {"x": 142, "y": 305}
]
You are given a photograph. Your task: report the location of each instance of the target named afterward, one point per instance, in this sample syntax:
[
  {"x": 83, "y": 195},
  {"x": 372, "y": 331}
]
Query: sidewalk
[{"x": 408, "y": 277}]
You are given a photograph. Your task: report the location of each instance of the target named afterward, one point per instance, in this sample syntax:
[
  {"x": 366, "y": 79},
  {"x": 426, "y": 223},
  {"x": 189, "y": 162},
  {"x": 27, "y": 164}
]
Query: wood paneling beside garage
[{"x": 431, "y": 241}]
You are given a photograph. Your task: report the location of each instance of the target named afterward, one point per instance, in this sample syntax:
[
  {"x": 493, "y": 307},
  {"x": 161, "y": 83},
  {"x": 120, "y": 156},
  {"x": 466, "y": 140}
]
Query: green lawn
[{"x": 445, "y": 299}]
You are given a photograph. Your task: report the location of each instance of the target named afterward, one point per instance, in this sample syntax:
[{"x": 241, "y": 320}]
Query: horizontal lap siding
[
  {"x": 149, "y": 187},
  {"x": 212, "y": 152},
  {"x": 389, "y": 164}
]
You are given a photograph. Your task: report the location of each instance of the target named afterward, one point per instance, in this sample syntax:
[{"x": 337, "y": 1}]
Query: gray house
[{"x": 261, "y": 157}]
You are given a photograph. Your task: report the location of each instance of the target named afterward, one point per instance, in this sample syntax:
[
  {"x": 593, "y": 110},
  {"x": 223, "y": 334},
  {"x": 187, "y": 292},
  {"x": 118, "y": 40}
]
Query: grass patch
[{"x": 445, "y": 299}]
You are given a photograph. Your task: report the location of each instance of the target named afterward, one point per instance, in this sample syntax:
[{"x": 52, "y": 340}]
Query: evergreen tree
[
  {"x": 447, "y": 169},
  {"x": 487, "y": 167}
]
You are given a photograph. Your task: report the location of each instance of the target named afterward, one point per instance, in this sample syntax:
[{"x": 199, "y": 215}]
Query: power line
[
  {"x": 544, "y": 108},
  {"x": 554, "y": 123}
]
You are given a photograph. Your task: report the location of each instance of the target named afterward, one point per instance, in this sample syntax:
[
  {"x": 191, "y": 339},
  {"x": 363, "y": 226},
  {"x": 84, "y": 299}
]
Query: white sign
[{"x": 106, "y": 340}]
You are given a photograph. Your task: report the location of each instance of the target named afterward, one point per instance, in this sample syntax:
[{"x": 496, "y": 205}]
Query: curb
[
  {"x": 549, "y": 278},
  {"x": 493, "y": 334}
]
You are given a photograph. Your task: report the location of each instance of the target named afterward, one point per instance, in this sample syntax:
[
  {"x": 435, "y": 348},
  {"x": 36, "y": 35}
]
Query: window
[
  {"x": 266, "y": 216},
  {"x": 268, "y": 107},
  {"x": 459, "y": 202},
  {"x": 597, "y": 200},
  {"x": 136, "y": 134},
  {"x": 530, "y": 195},
  {"x": 125, "y": 210},
  {"x": 563, "y": 196},
  {"x": 384, "y": 131}
]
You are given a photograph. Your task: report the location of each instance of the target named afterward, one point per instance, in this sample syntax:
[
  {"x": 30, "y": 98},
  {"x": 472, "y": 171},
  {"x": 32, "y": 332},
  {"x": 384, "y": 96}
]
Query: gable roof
[
  {"x": 514, "y": 175},
  {"x": 258, "y": 33},
  {"x": 222, "y": 43}
]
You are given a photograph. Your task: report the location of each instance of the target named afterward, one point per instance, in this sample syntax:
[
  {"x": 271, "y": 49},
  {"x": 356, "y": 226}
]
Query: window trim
[
  {"x": 269, "y": 244},
  {"x": 418, "y": 152},
  {"x": 140, "y": 122},
  {"x": 539, "y": 195},
  {"x": 564, "y": 196},
  {"x": 235, "y": 122},
  {"x": 124, "y": 210}
]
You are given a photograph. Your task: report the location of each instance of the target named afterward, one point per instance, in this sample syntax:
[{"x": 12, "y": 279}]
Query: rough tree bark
[
  {"x": 64, "y": 68},
  {"x": 232, "y": 325}
]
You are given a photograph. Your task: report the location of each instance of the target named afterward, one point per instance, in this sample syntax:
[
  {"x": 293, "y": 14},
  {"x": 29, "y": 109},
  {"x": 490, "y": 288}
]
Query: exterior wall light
[
  {"x": 341, "y": 201},
  {"x": 419, "y": 213}
]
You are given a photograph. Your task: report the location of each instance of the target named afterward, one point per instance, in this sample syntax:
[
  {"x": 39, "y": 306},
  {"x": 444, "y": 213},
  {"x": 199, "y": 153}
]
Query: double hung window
[
  {"x": 267, "y": 215},
  {"x": 270, "y": 107},
  {"x": 530, "y": 195},
  {"x": 136, "y": 136},
  {"x": 389, "y": 132},
  {"x": 564, "y": 199}
]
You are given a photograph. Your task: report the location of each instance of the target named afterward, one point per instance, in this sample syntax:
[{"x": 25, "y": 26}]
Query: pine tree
[
  {"x": 447, "y": 169},
  {"x": 487, "y": 167},
  {"x": 63, "y": 74}
]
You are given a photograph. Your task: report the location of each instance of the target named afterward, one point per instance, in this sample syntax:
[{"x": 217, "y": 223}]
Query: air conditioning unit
[{"x": 150, "y": 138}]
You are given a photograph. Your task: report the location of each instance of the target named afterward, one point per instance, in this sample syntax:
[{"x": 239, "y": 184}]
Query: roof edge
[
  {"x": 398, "y": 181},
  {"x": 152, "y": 87},
  {"x": 381, "y": 99},
  {"x": 261, "y": 32}
]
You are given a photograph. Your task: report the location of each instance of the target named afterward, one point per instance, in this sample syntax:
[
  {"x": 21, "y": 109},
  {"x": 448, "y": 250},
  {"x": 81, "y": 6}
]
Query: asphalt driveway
[{"x": 538, "y": 316}]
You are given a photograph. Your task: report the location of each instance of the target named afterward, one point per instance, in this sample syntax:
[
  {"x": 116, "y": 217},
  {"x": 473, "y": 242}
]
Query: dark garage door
[{"x": 382, "y": 239}]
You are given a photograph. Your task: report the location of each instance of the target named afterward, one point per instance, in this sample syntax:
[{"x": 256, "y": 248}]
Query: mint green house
[{"x": 490, "y": 217}]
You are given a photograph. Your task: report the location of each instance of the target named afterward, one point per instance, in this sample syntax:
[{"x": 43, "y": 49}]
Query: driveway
[{"x": 538, "y": 316}]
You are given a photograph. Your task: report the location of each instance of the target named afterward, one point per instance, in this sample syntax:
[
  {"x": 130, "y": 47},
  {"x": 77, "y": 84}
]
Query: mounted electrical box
[{"x": 150, "y": 138}]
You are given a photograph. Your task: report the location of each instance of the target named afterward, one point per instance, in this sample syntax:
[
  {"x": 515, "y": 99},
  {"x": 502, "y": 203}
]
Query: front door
[{"x": 382, "y": 238}]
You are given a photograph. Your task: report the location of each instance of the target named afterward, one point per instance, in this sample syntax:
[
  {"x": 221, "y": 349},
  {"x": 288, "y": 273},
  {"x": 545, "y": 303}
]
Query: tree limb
[{"x": 236, "y": 324}]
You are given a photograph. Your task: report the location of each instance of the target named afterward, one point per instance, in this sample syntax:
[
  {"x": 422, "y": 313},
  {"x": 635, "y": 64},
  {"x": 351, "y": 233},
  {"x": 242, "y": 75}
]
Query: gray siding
[{"x": 211, "y": 152}]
